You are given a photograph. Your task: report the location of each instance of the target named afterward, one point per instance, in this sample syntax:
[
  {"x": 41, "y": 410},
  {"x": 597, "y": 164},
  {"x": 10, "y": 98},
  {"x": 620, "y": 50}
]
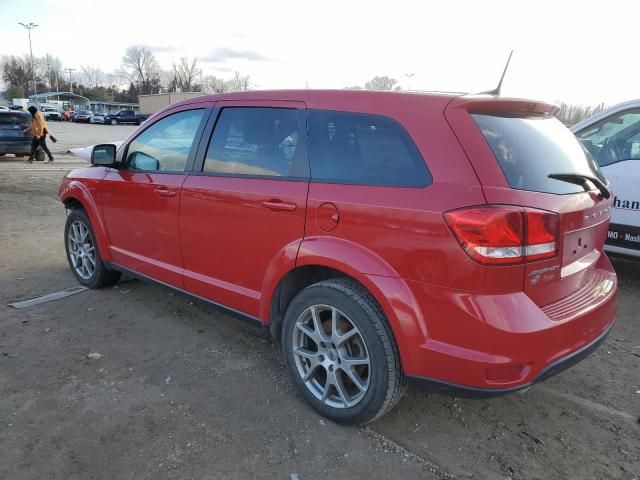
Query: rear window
[
  {"x": 14, "y": 118},
  {"x": 529, "y": 149},
  {"x": 363, "y": 149}
]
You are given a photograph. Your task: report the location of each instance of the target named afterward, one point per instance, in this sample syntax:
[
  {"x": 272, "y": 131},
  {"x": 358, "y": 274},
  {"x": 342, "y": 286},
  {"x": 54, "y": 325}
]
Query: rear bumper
[
  {"x": 438, "y": 386},
  {"x": 486, "y": 345},
  {"x": 16, "y": 146}
]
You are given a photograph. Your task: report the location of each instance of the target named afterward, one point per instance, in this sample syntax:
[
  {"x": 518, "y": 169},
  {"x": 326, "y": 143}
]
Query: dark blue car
[{"x": 13, "y": 138}]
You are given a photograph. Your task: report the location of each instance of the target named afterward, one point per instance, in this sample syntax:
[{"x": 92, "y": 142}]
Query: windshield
[{"x": 530, "y": 149}]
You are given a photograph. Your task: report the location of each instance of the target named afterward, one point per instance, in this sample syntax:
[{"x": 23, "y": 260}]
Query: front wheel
[
  {"x": 83, "y": 254},
  {"x": 114, "y": 122},
  {"x": 341, "y": 353}
]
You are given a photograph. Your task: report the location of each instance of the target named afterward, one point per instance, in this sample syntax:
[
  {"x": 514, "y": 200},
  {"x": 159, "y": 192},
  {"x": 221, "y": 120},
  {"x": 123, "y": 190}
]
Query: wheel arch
[
  {"x": 392, "y": 294},
  {"x": 77, "y": 195}
]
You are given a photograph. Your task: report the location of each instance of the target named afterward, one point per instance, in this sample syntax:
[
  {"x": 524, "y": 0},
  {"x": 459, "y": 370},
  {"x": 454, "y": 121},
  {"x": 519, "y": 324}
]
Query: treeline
[
  {"x": 572, "y": 114},
  {"x": 140, "y": 73}
]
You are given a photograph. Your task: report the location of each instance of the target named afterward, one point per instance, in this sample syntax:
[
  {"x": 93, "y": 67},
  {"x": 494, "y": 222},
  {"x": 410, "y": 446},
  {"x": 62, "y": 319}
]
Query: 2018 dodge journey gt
[{"x": 455, "y": 241}]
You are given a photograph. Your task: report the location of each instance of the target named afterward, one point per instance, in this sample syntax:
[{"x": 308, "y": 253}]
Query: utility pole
[
  {"x": 30, "y": 27},
  {"x": 409, "y": 75},
  {"x": 70, "y": 82},
  {"x": 49, "y": 73}
]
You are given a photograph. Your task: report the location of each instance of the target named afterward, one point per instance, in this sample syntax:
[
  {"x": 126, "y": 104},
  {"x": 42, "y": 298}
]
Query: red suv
[{"x": 455, "y": 241}]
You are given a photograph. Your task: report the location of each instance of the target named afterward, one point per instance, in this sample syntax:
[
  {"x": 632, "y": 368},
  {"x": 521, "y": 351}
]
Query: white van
[{"x": 613, "y": 138}]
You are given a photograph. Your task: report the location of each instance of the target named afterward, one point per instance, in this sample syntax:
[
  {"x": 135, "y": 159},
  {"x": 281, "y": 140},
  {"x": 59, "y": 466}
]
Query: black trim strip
[
  {"x": 432, "y": 385},
  {"x": 145, "y": 278}
]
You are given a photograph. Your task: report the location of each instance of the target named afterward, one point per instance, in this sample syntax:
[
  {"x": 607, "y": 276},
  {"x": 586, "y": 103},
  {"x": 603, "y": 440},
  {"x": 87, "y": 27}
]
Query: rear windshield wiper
[{"x": 580, "y": 179}]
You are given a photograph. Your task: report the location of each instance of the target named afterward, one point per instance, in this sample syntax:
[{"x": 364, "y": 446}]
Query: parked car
[
  {"x": 3, "y": 108},
  {"x": 125, "y": 116},
  {"x": 16, "y": 107},
  {"x": 98, "y": 118},
  {"x": 613, "y": 139},
  {"x": 454, "y": 241},
  {"x": 51, "y": 113},
  {"x": 82, "y": 116},
  {"x": 13, "y": 138}
]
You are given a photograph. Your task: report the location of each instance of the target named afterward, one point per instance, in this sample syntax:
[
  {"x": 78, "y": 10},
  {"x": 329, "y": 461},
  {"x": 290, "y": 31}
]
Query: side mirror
[{"x": 104, "y": 155}]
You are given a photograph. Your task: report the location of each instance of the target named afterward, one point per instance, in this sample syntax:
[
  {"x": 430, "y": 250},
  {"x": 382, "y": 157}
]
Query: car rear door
[
  {"x": 243, "y": 206},
  {"x": 514, "y": 146},
  {"x": 614, "y": 142},
  {"x": 141, "y": 199}
]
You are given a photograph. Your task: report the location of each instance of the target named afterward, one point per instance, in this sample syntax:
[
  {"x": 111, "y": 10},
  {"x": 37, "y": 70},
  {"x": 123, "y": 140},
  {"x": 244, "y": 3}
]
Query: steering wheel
[{"x": 612, "y": 151}]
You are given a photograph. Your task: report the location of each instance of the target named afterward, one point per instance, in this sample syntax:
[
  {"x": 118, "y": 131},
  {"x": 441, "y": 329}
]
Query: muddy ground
[{"x": 184, "y": 391}]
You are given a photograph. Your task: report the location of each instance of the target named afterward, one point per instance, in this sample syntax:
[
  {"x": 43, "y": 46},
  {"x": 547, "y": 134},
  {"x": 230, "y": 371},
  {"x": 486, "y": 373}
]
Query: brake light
[{"x": 501, "y": 235}]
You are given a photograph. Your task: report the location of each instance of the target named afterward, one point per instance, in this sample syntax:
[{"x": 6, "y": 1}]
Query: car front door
[
  {"x": 141, "y": 199},
  {"x": 243, "y": 207}
]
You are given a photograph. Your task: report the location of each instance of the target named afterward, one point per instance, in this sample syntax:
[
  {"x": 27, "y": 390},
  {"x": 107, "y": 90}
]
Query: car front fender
[{"x": 72, "y": 191}]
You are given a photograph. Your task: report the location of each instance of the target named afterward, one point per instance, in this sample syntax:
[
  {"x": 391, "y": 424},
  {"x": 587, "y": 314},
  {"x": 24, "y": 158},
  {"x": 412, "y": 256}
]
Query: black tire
[
  {"x": 102, "y": 276},
  {"x": 387, "y": 382}
]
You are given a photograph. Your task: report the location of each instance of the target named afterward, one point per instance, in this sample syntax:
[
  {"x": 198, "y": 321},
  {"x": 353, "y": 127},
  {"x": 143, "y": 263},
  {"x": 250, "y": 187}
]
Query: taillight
[{"x": 499, "y": 235}]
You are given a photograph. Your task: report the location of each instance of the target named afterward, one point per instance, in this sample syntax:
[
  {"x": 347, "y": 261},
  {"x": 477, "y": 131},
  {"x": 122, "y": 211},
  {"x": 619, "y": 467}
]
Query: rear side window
[
  {"x": 363, "y": 149},
  {"x": 255, "y": 142},
  {"x": 14, "y": 119},
  {"x": 530, "y": 149}
]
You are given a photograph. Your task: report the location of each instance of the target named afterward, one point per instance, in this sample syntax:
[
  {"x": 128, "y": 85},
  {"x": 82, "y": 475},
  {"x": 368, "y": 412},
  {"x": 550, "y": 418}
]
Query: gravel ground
[{"x": 177, "y": 389}]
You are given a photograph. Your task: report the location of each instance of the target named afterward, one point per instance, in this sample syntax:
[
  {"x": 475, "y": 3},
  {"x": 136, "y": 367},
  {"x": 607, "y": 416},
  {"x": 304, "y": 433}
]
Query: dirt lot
[{"x": 183, "y": 391}]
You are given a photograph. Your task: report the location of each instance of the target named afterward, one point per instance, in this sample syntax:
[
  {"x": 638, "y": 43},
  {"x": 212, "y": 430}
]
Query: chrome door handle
[
  {"x": 278, "y": 205},
  {"x": 165, "y": 192}
]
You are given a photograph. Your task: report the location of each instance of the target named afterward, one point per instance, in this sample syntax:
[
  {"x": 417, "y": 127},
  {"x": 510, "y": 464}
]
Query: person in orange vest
[{"x": 39, "y": 131}]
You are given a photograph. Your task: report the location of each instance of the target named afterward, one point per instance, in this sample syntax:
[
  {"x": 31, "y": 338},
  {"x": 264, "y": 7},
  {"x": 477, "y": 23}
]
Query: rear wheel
[
  {"x": 340, "y": 352},
  {"x": 83, "y": 254}
]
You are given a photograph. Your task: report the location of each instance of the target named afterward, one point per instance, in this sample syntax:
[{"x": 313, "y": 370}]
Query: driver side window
[
  {"x": 613, "y": 139},
  {"x": 165, "y": 145}
]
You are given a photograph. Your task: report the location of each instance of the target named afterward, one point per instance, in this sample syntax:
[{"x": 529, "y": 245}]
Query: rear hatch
[
  {"x": 12, "y": 125},
  {"x": 516, "y": 148}
]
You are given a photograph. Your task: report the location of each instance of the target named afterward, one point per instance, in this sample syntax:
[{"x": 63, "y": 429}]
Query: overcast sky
[{"x": 573, "y": 51}]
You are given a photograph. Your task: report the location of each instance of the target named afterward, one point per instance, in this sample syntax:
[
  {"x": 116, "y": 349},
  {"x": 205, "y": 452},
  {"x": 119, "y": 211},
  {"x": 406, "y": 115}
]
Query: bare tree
[
  {"x": 92, "y": 76},
  {"x": 572, "y": 114},
  {"x": 54, "y": 72},
  {"x": 141, "y": 68},
  {"x": 213, "y": 84},
  {"x": 239, "y": 83},
  {"x": 16, "y": 72},
  {"x": 187, "y": 74},
  {"x": 380, "y": 83}
]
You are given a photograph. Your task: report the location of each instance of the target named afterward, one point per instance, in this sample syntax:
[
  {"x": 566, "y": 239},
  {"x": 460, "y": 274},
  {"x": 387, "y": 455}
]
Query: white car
[
  {"x": 2, "y": 107},
  {"x": 613, "y": 138},
  {"x": 97, "y": 118}
]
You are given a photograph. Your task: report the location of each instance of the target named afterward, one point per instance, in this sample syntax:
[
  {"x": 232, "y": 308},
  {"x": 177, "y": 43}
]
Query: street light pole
[{"x": 30, "y": 27}]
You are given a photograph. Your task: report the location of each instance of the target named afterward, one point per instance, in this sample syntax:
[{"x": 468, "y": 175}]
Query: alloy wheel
[
  {"x": 331, "y": 356},
  {"x": 82, "y": 251}
]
